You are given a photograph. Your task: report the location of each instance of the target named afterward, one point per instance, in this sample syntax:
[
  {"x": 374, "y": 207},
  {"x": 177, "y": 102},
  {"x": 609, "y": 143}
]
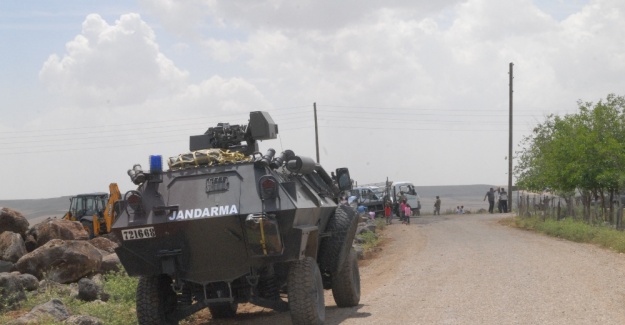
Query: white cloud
[
  {"x": 116, "y": 64},
  {"x": 121, "y": 65},
  {"x": 323, "y": 15}
]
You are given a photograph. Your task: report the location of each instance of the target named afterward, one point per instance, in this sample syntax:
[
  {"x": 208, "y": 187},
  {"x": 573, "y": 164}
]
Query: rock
[
  {"x": 54, "y": 307},
  {"x": 52, "y": 310},
  {"x": 363, "y": 230},
  {"x": 29, "y": 282},
  {"x": 13, "y": 221},
  {"x": 11, "y": 246},
  {"x": 371, "y": 227},
  {"x": 89, "y": 290},
  {"x": 83, "y": 320},
  {"x": 98, "y": 279},
  {"x": 55, "y": 287},
  {"x": 111, "y": 236},
  {"x": 58, "y": 229},
  {"x": 110, "y": 263},
  {"x": 104, "y": 244},
  {"x": 6, "y": 266},
  {"x": 11, "y": 290},
  {"x": 30, "y": 242},
  {"x": 63, "y": 261}
]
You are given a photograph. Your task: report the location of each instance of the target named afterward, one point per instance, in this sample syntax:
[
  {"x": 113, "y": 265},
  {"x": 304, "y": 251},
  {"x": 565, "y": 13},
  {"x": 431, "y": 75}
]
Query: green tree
[{"x": 583, "y": 151}]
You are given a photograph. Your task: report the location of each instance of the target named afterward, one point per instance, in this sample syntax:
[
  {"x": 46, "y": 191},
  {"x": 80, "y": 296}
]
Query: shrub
[{"x": 370, "y": 240}]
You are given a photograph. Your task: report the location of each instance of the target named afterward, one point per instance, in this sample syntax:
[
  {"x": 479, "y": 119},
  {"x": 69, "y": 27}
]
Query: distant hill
[
  {"x": 39, "y": 208},
  {"x": 470, "y": 196}
]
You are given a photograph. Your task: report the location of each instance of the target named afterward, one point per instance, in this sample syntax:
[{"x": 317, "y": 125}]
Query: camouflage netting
[{"x": 206, "y": 157}]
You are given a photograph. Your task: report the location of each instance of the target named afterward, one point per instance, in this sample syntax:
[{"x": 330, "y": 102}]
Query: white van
[{"x": 412, "y": 197}]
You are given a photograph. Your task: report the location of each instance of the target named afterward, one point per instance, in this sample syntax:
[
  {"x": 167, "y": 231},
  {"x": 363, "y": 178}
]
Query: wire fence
[{"x": 557, "y": 208}]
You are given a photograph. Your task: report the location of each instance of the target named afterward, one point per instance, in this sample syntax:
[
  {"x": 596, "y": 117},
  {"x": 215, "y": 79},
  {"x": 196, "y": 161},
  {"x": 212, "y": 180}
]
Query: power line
[{"x": 291, "y": 118}]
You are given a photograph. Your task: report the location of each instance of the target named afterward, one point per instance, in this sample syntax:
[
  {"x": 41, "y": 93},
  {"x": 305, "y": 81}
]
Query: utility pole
[
  {"x": 510, "y": 145},
  {"x": 316, "y": 131}
]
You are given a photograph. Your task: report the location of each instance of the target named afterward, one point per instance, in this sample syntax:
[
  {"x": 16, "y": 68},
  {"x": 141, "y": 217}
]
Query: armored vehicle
[{"x": 226, "y": 224}]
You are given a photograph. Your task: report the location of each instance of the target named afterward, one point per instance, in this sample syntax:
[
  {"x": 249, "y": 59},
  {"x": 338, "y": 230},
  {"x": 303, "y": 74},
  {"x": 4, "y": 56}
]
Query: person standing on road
[
  {"x": 388, "y": 213},
  {"x": 491, "y": 199},
  {"x": 503, "y": 196},
  {"x": 437, "y": 206}
]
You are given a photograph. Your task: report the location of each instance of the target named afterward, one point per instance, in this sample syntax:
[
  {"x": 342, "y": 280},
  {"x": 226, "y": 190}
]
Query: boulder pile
[{"x": 53, "y": 253}]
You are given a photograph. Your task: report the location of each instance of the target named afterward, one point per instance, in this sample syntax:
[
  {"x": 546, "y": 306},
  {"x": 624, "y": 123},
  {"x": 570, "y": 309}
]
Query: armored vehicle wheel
[
  {"x": 334, "y": 249},
  {"x": 223, "y": 310},
  {"x": 346, "y": 283},
  {"x": 156, "y": 301},
  {"x": 305, "y": 293}
]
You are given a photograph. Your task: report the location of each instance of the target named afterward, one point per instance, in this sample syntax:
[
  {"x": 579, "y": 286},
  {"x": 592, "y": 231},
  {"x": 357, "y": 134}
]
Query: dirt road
[{"x": 469, "y": 269}]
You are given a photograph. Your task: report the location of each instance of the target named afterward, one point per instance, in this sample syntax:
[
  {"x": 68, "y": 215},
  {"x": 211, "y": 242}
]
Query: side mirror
[{"x": 343, "y": 179}]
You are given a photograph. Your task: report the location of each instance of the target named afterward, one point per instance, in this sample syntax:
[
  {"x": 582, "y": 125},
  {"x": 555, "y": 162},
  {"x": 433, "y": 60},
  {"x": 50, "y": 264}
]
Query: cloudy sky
[{"x": 406, "y": 89}]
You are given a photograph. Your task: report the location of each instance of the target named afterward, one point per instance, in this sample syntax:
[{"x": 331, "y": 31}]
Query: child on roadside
[
  {"x": 387, "y": 213},
  {"x": 402, "y": 209},
  {"x": 407, "y": 213}
]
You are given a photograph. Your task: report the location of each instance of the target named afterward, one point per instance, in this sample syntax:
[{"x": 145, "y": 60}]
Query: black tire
[
  {"x": 156, "y": 301},
  {"x": 223, "y": 310},
  {"x": 346, "y": 283},
  {"x": 305, "y": 293},
  {"x": 334, "y": 249}
]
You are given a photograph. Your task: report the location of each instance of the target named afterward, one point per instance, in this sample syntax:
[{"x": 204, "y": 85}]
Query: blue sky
[{"x": 90, "y": 88}]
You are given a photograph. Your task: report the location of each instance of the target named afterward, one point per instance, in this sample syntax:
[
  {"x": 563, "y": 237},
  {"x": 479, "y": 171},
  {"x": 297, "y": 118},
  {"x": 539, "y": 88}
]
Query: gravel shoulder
[{"x": 469, "y": 269}]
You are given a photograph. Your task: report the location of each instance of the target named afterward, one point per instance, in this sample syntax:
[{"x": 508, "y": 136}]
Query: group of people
[
  {"x": 502, "y": 200},
  {"x": 405, "y": 211}
]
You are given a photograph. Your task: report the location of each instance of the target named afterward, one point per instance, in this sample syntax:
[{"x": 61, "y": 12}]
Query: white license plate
[{"x": 138, "y": 233}]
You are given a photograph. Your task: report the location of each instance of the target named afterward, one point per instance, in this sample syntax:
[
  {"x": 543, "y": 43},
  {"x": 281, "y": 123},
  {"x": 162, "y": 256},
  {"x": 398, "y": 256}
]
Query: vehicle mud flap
[
  {"x": 334, "y": 249},
  {"x": 223, "y": 309}
]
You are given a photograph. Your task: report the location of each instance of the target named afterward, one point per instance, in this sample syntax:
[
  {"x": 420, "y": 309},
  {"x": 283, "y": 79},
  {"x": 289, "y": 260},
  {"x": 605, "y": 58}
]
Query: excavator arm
[{"x": 109, "y": 211}]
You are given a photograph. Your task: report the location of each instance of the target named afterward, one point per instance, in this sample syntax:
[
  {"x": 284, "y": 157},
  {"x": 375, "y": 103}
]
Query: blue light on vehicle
[{"x": 156, "y": 163}]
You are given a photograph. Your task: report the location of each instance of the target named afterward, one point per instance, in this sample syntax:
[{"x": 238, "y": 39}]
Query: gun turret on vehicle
[{"x": 226, "y": 224}]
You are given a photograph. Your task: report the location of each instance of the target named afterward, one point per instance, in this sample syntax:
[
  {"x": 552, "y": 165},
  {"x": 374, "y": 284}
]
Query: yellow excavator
[{"x": 95, "y": 211}]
